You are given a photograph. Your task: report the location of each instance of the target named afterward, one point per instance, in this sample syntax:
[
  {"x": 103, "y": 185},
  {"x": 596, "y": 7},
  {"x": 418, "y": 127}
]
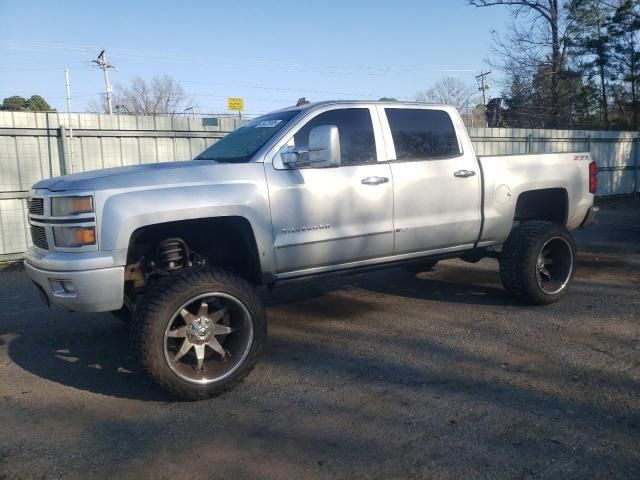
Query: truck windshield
[{"x": 243, "y": 143}]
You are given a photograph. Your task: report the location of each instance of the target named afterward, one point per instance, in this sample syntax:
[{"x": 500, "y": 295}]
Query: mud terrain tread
[
  {"x": 156, "y": 306},
  {"x": 518, "y": 261}
]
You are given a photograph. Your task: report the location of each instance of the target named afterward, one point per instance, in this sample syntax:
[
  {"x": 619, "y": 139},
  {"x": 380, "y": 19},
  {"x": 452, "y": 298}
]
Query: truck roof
[{"x": 313, "y": 105}]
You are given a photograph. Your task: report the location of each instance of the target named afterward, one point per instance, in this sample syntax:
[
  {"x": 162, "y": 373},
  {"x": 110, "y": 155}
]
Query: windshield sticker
[{"x": 268, "y": 123}]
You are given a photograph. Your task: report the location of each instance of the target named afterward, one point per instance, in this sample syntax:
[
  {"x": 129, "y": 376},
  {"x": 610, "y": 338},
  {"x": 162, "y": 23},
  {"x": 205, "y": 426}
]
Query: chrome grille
[
  {"x": 36, "y": 206},
  {"x": 39, "y": 237}
]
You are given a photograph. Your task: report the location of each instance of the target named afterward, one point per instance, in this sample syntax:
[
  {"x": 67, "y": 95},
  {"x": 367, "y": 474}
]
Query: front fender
[{"x": 124, "y": 212}]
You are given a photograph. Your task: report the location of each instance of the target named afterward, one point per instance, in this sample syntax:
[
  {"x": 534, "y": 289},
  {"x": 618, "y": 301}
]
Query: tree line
[
  {"x": 569, "y": 65},
  {"x": 16, "y": 103}
]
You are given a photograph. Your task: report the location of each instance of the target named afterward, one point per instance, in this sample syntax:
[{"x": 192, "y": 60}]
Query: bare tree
[
  {"x": 450, "y": 91},
  {"x": 97, "y": 106},
  {"x": 162, "y": 95},
  {"x": 539, "y": 42}
]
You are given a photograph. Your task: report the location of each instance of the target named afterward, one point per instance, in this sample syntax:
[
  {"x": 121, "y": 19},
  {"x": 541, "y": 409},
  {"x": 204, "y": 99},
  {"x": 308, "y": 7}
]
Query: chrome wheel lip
[
  {"x": 239, "y": 363},
  {"x": 569, "y": 272}
]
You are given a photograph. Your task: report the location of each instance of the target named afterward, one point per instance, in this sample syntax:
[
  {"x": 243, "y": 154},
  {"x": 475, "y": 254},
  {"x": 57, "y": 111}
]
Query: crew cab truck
[{"x": 180, "y": 247}]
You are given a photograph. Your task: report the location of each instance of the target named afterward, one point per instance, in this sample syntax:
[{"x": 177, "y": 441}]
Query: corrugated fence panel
[
  {"x": 111, "y": 155},
  {"x": 13, "y": 226},
  {"x": 33, "y": 146},
  {"x": 91, "y": 153},
  {"x": 9, "y": 176},
  {"x": 183, "y": 149},
  {"x": 166, "y": 151},
  {"x": 39, "y": 145},
  {"x": 616, "y": 153},
  {"x": 32, "y": 166},
  {"x": 148, "y": 153},
  {"x": 130, "y": 151}
]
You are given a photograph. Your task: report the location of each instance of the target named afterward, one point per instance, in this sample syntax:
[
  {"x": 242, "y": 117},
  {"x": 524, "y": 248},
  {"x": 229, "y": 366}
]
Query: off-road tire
[
  {"x": 518, "y": 261},
  {"x": 159, "y": 305}
]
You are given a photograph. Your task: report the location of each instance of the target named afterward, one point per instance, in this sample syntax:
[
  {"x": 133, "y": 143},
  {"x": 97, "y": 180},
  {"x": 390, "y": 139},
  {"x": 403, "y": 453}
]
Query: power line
[
  {"x": 102, "y": 62},
  {"x": 216, "y": 61},
  {"x": 282, "y": 89},
  {"x": 21, "y": 68}
]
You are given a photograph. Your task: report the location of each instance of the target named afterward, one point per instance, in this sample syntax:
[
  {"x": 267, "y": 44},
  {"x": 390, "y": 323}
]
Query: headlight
[
  {"x": 64, "y": 206},
  {"x": 74, "y": 236}
]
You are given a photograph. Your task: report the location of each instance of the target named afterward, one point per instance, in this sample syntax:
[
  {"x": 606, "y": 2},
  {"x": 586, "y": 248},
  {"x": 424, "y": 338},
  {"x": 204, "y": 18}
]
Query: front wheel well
[
  {"x": 224, "y": 242},
  {"x": 549, "y": 204}
]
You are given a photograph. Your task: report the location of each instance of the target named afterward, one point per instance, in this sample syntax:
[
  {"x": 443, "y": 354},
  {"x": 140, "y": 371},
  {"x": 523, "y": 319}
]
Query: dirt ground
[{"x": 381, "y": 375}]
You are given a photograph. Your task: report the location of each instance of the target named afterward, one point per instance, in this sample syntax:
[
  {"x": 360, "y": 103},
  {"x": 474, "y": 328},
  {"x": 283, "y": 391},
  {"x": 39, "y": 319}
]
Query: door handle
[
  {"x": 374, "y": 180},
  {"x": 464, "y": 173}
]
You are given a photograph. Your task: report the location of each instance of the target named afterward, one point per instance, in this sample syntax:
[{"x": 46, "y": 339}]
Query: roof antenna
[{"x": 302, "y": 101}]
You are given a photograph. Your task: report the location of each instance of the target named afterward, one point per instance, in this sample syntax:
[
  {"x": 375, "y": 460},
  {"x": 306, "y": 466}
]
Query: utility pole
[
  {"x": 68, "y": 86},
  {"x": 102, "y": 62},
  {"x": 483, "y": 87},
  {"x": 66, "y": 80}
]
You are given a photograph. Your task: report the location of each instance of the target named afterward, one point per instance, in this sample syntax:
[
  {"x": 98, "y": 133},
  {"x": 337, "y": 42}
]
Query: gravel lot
[{"x": 382, "y": 375}]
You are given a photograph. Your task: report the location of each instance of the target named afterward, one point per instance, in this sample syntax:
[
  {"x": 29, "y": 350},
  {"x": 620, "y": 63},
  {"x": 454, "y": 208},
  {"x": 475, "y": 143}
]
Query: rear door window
[{"x": 422, "y": 134}]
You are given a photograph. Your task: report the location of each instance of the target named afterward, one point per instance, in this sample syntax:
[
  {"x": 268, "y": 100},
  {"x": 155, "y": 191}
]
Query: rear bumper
[
  {"x": 591, "y": 217},
  {"x": 99, "y": 290}
]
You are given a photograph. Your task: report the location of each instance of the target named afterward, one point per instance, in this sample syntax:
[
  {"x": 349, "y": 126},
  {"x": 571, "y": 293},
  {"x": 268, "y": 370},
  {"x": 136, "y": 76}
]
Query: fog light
[
  {"x": 62, "y": 287},
  {"x": 68, "y": 286},
  {"x": 56, "y": 286},
  {"x": 74, "y": 236}
]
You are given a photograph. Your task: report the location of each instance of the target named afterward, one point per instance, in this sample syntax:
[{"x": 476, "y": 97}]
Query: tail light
[{"x": 593, "y": 177}]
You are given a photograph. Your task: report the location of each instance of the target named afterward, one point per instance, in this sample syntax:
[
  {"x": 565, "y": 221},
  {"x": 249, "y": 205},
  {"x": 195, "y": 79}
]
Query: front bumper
[
  {"x": 591, "y": 217},
  {"x": 87, "y": 290}
]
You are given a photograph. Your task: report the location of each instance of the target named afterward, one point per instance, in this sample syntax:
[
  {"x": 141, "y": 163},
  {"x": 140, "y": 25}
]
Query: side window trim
[
  {"x": 288, "y": 138},
  {"x": 391, "y": 146}
]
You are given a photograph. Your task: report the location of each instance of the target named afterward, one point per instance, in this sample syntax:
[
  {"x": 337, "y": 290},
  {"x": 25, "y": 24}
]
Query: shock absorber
[{"x": 173, "y": 254}]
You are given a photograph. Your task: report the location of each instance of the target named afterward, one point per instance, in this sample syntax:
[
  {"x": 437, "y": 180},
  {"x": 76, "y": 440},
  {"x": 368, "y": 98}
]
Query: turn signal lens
[
  {"x": 593, "y": 177},
  {"x": 64, "y": 206},
  {"x": 74, "y": 236}
]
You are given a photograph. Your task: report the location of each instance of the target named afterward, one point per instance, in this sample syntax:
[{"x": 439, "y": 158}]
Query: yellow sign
[{"x": 235, "y": 103}]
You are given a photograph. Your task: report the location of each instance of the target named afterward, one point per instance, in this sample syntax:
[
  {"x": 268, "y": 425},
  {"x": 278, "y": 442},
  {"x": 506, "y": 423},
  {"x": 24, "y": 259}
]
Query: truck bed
[{"x": 505, "y": 177}]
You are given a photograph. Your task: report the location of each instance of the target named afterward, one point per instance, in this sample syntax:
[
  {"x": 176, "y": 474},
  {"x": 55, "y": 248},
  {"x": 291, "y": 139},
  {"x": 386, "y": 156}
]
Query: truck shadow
[
  {"x": 447, "y": 283},
  {"x": 92, "y": 352},
  {"x": 86, "y": 352}
]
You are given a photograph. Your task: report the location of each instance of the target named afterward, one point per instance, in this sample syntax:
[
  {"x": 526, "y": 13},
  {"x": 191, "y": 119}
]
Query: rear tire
[
  {"x": 199, "y": 331},
  {"x": 537, "y": 263}
]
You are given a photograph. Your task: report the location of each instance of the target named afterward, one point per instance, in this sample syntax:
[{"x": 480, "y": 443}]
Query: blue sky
[{"x": 269, "y": 52}]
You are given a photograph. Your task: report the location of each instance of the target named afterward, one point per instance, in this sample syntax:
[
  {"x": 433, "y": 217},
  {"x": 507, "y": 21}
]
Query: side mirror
[
  {"x": 324, "y": 146},
  {"x": 323, "y": 150}
]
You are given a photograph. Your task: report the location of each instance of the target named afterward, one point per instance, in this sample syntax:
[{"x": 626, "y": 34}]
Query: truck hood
[{"x": 134, "y": 176}]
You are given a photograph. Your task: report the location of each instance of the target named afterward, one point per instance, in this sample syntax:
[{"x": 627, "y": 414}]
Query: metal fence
[
  {"x": 34, "y": 146},
  {"x": 616, "y": 153}
]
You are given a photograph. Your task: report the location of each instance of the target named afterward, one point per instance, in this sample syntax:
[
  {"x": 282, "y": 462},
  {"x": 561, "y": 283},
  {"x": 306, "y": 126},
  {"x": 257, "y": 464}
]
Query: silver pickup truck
[{"x": 178, "y": 248}]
